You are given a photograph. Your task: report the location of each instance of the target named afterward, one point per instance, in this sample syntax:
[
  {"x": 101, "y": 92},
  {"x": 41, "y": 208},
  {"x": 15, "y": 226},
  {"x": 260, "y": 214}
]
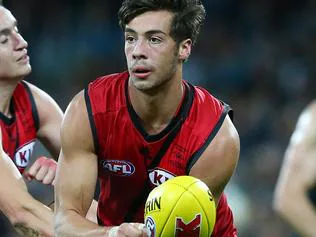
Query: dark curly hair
[{"x": 188, "y": 18}]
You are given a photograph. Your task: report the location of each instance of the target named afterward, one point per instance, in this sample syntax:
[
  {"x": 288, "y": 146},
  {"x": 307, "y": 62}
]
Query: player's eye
[
  {"x": 130, "y": 39},
  {"x": 3, "y": 39},
  {"x": 155, "y": 40}
]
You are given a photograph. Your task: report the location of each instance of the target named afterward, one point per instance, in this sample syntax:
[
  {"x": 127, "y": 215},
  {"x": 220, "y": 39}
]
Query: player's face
[
  {"x": 151, "y": 53},
  {"x": 14, "y": 61}
]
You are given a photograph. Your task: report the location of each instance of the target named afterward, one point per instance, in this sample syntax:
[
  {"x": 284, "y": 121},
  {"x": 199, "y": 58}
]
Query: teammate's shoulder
[
  {"x": 308, "y": 113},
  {"x": 312, "y": 106},
  {"x": 35, "y": 91},
  {"x": 30, "y": 86}
]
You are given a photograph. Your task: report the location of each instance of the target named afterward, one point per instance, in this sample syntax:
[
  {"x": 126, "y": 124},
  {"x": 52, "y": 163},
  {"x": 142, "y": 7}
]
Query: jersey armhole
[
  {"x": 33, "y": 104},
  {"x": 194, "y": 158},
  {"x": 91, "y": 120}
]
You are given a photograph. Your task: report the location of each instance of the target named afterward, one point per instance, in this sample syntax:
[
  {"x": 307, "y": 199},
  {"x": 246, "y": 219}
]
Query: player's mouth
[
  {"x": 23, "y": 59},
  {"x": 141, "y": 72}
]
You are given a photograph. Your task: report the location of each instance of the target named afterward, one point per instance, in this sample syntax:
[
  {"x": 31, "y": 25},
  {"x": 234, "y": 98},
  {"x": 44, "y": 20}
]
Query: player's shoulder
[
  {"x": 96, "y": 87},
  {"x": 42, "y": 98},
  {"x": 311, "y": 107},
  {"x": 209, "y": 103},
  {"x": 308, "y": 114},
  {"x": 29, "y": 85},
  {"x": 110, "y": 79},
  {"x": 203, "y": 95},
  {"x": 77, "y": 101},
  {"x": 305, "y": 123},
  {"x": 37, "y": 92}
]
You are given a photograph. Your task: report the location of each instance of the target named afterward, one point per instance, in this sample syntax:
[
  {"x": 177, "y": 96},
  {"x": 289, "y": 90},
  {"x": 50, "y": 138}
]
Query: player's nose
[
  {"x": 20, "y": 42},
  {"x": 140, "y": 49}
]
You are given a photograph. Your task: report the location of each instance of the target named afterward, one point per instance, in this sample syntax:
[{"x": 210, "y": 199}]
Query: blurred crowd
[{"x": 256, "y": 55}]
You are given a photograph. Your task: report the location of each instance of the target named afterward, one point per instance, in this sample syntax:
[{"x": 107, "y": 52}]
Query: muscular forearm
[
  {"x": 26, "y": 231},
  {"x": 300, "y": 214},
  {"x": 74, "y": 225},
  {"x": 29, "y": 223},
  {"x": 27, "y": 215},
  {"x": 33, "y": 227}
]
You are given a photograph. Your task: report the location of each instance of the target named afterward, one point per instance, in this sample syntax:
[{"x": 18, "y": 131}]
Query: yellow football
[{"x": 181, "y": 207}]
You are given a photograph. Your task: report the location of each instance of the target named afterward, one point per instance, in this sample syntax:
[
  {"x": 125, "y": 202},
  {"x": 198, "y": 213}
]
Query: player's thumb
[{"x": 145, "y": 231}]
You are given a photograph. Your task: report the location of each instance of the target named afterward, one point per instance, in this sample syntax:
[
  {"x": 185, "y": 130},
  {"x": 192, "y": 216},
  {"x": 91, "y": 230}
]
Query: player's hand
[
  {"x": 42, "y": 170},
  {"x": 129, "y": 230}
]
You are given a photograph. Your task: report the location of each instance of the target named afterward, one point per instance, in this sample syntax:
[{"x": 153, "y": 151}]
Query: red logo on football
[{"x": 191, "y": 229}]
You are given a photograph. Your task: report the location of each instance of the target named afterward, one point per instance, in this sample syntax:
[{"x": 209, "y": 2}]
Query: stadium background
[{"x": 256, "y": 55}]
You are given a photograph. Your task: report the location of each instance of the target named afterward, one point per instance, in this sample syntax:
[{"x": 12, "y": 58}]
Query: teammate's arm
[
  {"x": 28, "y": 216},
  {"x": 76, "y": 179},
  {"x": 298, "y": 176},
  {"x": 50, "y": 117},
  {"x": 217, "y": 164}
]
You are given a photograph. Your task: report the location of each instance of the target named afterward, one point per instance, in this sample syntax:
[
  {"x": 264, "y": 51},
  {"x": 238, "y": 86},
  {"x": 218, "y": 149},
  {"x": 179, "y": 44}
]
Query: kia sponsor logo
[
  {"x": 118, "y": 167},
  {"x": 159, "y": 176},
  {"x": 23, "y": 154}
]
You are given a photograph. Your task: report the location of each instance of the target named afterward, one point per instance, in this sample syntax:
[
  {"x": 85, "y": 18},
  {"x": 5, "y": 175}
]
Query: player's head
[
  {"x": 14, "y": 62},
  {"x": 159, "y": 35},
  {"x": 188, "y": 15}
]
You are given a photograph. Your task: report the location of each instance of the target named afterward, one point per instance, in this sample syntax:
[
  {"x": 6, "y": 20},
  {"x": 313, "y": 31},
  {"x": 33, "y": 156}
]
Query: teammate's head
[
  {"x": 14, "y": 62},
  {"x": 159, "y": 35},
  {"x": 188, "y": 15}
]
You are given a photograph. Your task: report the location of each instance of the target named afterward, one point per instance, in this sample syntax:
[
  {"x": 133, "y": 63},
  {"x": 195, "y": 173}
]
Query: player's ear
[{"x": 185, "y": 49}]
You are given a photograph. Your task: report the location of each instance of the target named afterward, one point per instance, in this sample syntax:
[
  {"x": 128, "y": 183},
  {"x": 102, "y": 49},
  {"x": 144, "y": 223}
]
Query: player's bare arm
[
  {"x": 28, "y": 216},
  {"x": 298, "y": 176},
  {"x": 219, "y": 160},
  {"x": 50, "y": 117},
  {"x": 75, "y": 184}
]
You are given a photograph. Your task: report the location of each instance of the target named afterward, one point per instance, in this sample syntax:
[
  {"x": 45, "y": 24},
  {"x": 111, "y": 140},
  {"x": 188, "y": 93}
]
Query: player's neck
[
  {"x": 6, "y": 92},
  {"x": 156, "y": 111}
]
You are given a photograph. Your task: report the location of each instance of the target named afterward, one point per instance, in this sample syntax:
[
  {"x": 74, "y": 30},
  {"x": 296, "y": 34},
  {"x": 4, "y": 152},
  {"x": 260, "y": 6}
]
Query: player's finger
[
  {"x": 113, "y": 231},
  {"x": 142, "y": 228},
  {"x": 41, "y": 173},
  {"x": 50, "y": 176},
  {"x": 132, "y": 229},
  {"x": 30, "y": 174}
]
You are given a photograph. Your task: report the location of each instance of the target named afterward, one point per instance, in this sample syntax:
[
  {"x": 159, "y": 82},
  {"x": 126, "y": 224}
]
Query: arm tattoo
[{"x": 25, "y": 231}]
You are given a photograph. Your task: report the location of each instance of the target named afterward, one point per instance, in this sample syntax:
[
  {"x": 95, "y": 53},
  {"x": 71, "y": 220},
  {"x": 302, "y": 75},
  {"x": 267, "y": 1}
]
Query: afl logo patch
[
  {"x": 118, "y": 167},
  {"x": 151, "y": 226}
]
